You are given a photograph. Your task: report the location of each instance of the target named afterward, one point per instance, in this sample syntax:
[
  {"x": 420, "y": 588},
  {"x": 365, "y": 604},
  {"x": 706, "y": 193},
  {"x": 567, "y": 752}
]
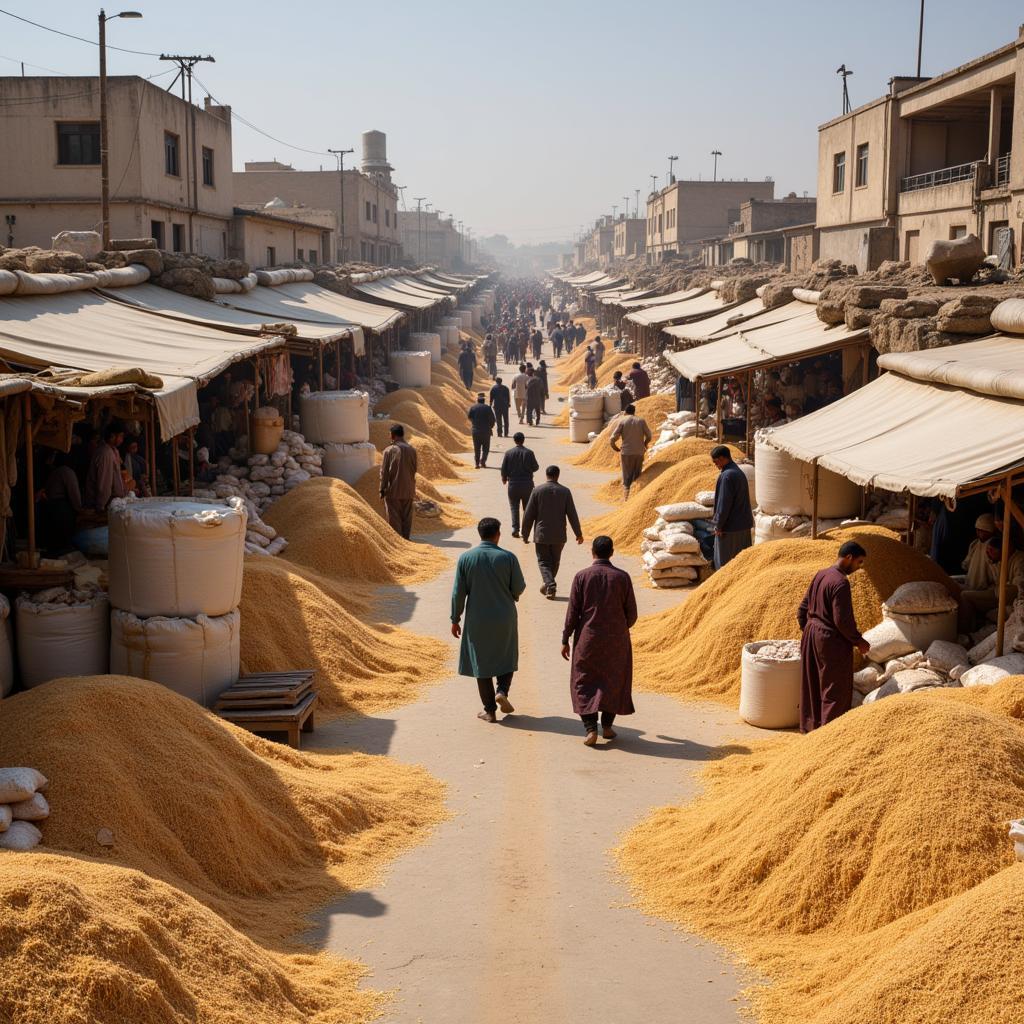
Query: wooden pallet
[{"x": 271, "y": 702}]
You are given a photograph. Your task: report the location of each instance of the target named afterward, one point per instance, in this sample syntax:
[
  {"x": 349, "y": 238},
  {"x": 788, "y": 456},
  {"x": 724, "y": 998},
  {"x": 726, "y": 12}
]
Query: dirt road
[{"x": 513, "y": 911}]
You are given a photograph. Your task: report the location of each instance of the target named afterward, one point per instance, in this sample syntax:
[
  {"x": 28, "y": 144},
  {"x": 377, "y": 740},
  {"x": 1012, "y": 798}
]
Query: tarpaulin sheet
[
  {"x": 663, "y": 300},
  {"x": 747, "y": 316},
  {"x": 385, "y": 291},
  {"x": 699, "y": 305}
]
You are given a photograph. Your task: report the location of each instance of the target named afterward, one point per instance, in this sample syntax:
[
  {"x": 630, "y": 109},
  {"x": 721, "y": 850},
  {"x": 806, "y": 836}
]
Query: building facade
[
  {"x": 683, "y": 213},
  {"x": 367, "y": 226},
  {"x": 267, "y": 238},
  {"x": 630, "y": 238},
  {"x": 164, "y": 183},
  {"x": 933, "y": 159},
  {"x": 431, "y": 240},
  {"x": 760, "y": 232}
]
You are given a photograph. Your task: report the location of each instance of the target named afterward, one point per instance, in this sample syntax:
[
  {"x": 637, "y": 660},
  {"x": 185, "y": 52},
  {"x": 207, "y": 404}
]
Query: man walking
[
  {"x": 534, "y": 396},
  {"x": 639, "y": 382},
  {"x": 590, "y": 365},
  {"x": 634, "y": 434},
  {"x": 537, "y": 343},
  {"x": 601, "y": 612},
  {"x": 581, "y": 334},
  {"x": 481, "y": 420},
  {"x": 733, "y": 518},
  {"x": 488, "y": 582},
  {"x": 549, "y": 507},
  {"x": 501, "y": 399},
  {"x": 517, "y": 469},
  {"x": 557, "y": 340},
  {"x": 829, "y": 635},
  {"x": 519, "y": 383},
  {"x": 599, "y": 350},
  {"x": 490, "y": 350},
  {"x": 398, "y": 481},
  {"x": 467, "y": 364}
]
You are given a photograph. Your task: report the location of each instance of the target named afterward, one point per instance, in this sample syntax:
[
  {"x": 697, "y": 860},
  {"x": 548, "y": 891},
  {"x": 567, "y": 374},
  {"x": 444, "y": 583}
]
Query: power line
[
  {"x": 15, "y": 60},
  {"x": 81, "y": 39}
]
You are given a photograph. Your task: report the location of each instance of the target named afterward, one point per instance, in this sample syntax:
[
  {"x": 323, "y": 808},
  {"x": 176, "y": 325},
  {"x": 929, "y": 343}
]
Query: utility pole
[
  {"x": 654, "y": 183},
  {"x": 637, "y": 191},
  {"x": 845, "y": 73},
  {"x": 419, "y": 238},
  {"x": 615, "y": 212},
  {"x": 341, "y": 154},
  {"x": 671, "y": 161},
  {"x": 920, "y": 39},
  {"x": 460, "y": 243},
  {"x": 716, "y": 153},
  {"x": 104, "y": 148},
  {"x": 185, "y": 66}
]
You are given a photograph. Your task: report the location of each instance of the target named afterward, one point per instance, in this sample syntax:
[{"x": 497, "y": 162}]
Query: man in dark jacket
[
  {"x": 549, "y": 507},
  {"x": 517, "y": 469},
  {"x": 501, "y": 399},
  {"x": 557, "y": 339},
  {"x": 534, "y": 396},
  {"x": 467, "y": 364},
  {"x": 733, "y": 518},
  {"x": 481, "y": 421},
  {"x": 639, "y": 382}
]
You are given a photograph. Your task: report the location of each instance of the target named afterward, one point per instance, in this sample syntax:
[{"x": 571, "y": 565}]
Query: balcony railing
[
  {"x": 1003, "y": 171},
  {"x": 945, "y": 176}
]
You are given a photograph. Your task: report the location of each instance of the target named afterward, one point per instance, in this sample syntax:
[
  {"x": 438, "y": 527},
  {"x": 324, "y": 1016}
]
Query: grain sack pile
[
  {"x": 694, "y": 650},
  {"x": 819, "y": 860},
  {"x": 671, "y": 550},
  {"x": 258, "y": 832},
  {"x": 291, "y": 616},
  {"x": 22, "y": 807},
  {"x": 600, "y": 455},
  {"x": 667, "y": 484},
  {"x": 61, "y": 630},
  {"x": 681, "y": 426},
  {"x": 331, "y": 531}
]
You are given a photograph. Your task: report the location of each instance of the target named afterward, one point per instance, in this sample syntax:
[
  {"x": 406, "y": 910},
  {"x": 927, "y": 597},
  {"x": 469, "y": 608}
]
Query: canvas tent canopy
[
  {"x": 616, "y": 296},
  {"x": 662, "y": 300},
  {"x": 312, "y": 304},
  {"x": 385, "y": 290},
  {"x": 802, "y": 337},
  {"x": 703, "y": 304},
  {"x": 937, "y": 422},
  {"x": 86, "y": 331},
  {"x": 604, "y": 281},
  {"x": 747, "y": 316}
]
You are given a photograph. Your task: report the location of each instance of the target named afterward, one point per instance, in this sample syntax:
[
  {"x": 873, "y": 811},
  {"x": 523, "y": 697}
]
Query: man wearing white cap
[{"x": 976, "y": 565}]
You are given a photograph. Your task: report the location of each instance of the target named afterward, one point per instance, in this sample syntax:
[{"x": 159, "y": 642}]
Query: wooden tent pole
[
  {"x": 191, "y": 461},
  {"x": 1004, "y": 567},
  {"x": 320, "y": 352},
  {"x": 749, "y": 402},
  {"x": 151, "y": 448},
  {"x": 814, "y": 501},
  {"x": 176, "y": 472},
  {"x": 718, "y": 410},
  {"x": 911, "y": 517},
  {"x": 30, "y": 482}
]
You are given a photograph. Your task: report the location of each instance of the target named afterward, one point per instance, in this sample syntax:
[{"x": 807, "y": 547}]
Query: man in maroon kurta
[
  {"x": 602, "y": 608},
  {"x": 829, "y": 636}
]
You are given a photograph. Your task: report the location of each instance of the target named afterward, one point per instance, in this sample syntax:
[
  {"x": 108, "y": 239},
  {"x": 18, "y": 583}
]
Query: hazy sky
[{"x": 529, "y": 118}]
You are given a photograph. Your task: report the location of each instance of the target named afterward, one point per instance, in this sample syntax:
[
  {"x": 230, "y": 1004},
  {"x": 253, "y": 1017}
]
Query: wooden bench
[{"x": 271, "y": 702}]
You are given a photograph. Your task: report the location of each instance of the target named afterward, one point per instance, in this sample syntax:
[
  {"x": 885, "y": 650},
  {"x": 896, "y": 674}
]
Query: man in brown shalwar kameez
[
  {"x": 829, "y": 636},
  {"x": 602, "y": 609},
  {"x": 398, "y": 481}
]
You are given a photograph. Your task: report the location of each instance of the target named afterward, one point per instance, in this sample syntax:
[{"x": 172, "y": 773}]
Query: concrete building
[
  {"x": 370, "y": 221},
  {"x": 276, "y": 235},
  {"x": 683, "y": 213},
  {"x": 599, "y": 242},
  {"x": 161, "y": 185},
  {"x": 759, "y": 233},
  {"x": 430, "y": 240},
  {"x": 630, "y": 237},
  {"x": 932, "y": 159}
]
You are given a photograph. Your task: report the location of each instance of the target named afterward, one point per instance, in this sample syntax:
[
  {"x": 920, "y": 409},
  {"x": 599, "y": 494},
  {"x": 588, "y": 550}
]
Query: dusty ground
[{"x": 513, "y": 912}]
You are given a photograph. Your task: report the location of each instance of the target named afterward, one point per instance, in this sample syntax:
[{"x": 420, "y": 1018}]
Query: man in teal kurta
[{"x": 488, "y": 582}]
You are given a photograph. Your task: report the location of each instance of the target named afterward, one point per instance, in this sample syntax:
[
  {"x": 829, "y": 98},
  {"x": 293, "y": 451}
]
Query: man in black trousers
[
  {"x": 501, "y": 399},
  {"x": 517, "y": 469},
  {"x": 548, "y": 509},
  {"x": 481, "y": 421}
]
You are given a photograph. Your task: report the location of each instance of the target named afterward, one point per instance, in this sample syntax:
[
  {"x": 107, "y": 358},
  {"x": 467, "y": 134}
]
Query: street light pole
[
  {"x": 419, "y": 235},
  {"x": 104, "y": 151},
  {"x": 920, "y": 39},
  {"x": 716, "y": 153},
  {"x": 671, "y": 161},
  {"x": 340, "y": 154}
]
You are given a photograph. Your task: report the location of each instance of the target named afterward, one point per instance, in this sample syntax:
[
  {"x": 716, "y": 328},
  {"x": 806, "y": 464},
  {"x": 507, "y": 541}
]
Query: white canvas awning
[
  {"x": 313, "y": 304},
  {"x": 163, "y": 302},
  {"x": 802, "y": 337},
  {"x": 747, "y": 316},
  {"x": 437, "y": 281},
  {"x": 415, "y": 286},
  {"x": 662, "y": 300},
  {"x": 85, "y": 331},
  {"x": 594, "y": 275},
  {"x": 616, "y": 296},
  {"x": 385, "y": 291},
  {"x": 698, "y": 306},
  {"x": 605, "y": 281}
]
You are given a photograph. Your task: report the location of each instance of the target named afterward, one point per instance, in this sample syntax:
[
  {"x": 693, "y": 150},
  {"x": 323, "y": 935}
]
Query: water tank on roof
[
  {"x": 277, "y": 203},
  {"x": 375, "y": 153}
]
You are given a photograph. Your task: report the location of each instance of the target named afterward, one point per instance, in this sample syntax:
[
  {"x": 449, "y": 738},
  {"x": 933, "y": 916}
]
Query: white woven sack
[
  {"x": 887, "y": 641},
  {"x": 993, "y": 670},
  {"x": 197, "y": 658},
  {"x": 349, "y": 462},
  {"x": 682, "y": 510},
  {"x": 22, "y": 836},
  {"x": 669, "y": 582},
  {"x": 706, "y": 498},
  {"x": 663, "y": 559},
  {"x": 867, "y": 679},
  {"x": 17, "y": 784},
  {"x": 5, "y": 817},
  {"x": 35, "y": 808},
  {"x": 335, "y": 417},
  {"x": 910, "y": 679},
  {"x": 681, "y": 543},
  {"x": 923, "y": 630},
  {"x": 920, "y": 597},
  {"x": 57, "y": 640},
  {"x": 680, "y": 526},
  {"x": 176, "y": 557},
  {"x": 681, "y": 572},
  {"x": 944, "y": 655}
]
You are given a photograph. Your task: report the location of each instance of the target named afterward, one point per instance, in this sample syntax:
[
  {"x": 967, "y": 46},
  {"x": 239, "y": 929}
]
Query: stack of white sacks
[
  {"x": 339, "y": 421},
  {"x": 586, "y": 414},
  {"x": 677, "y": 426},
  {"x": 916, "y": 646},
  {"x": 670, "y": 551},
  {"x": 22, "y": 804},
  {"x": 175, "y": 584}
]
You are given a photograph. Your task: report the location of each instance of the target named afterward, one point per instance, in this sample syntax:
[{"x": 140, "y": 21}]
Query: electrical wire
[
  {"x": 15, "y": 60},
  {"x": 81, "y": 39},
  {"x": 71, "y": 95}
]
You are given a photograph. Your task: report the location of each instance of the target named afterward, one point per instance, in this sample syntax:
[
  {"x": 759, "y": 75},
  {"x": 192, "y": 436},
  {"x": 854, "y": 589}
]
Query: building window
[
  {"x": 362, "y": 251},
  {"x": 300, "y": 256},
  {"x": 178, "y": 237},
  {"x": 156, "y": 232},
  {"x": 172, "y": 165},
  {"x": 313, "y": 257},
  {"x": 374, "y": 213},
  {"x": 862, "y": 165},
  {"x": 271, "y": 256},
  {"x": 78, "y": 143},
  {"x": 958, "y": 231},
  {"x": 387, "y": 217},
  {"x": 839, "y": 173},
  {"x": 207, "y": 166},
  {"x": 369, "y": 214}
]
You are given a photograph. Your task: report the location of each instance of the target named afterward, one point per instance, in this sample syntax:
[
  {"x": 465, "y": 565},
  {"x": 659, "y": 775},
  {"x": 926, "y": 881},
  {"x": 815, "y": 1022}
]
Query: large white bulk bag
[
  {"x": 769, "y": 690},
  {"x": 1008, "y": 316},
  {"x": 425, "y": 341},
  {"x": 580, "y": 428},
  {"x": 56, "y": 640},
  {"x": 198, "y": 658},
  {"x": 6, "y": 648},
  {"x": 335, "y": 417},
  {"x": 410, "y": 369},
  {"x": 785, "y": 486},
  {"x": 465, "y": 318},
  {"x": 450, "y": 335},
  {"x": 176, "y": 556},
  {"x": 348, "y": 462},
  {"x": 612, "y": 403},
  {"x": 747, "y": 468},
  {"x": 769, "y": 528},
  {"x": 587, "y": 404}
]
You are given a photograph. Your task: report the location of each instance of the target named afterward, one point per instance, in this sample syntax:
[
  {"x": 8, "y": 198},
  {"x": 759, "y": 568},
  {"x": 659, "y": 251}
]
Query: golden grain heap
[
  {"x": 864, "y": 868},
  {"x": 693, "y": 649},
  {"x": 599, "y": 454}
]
